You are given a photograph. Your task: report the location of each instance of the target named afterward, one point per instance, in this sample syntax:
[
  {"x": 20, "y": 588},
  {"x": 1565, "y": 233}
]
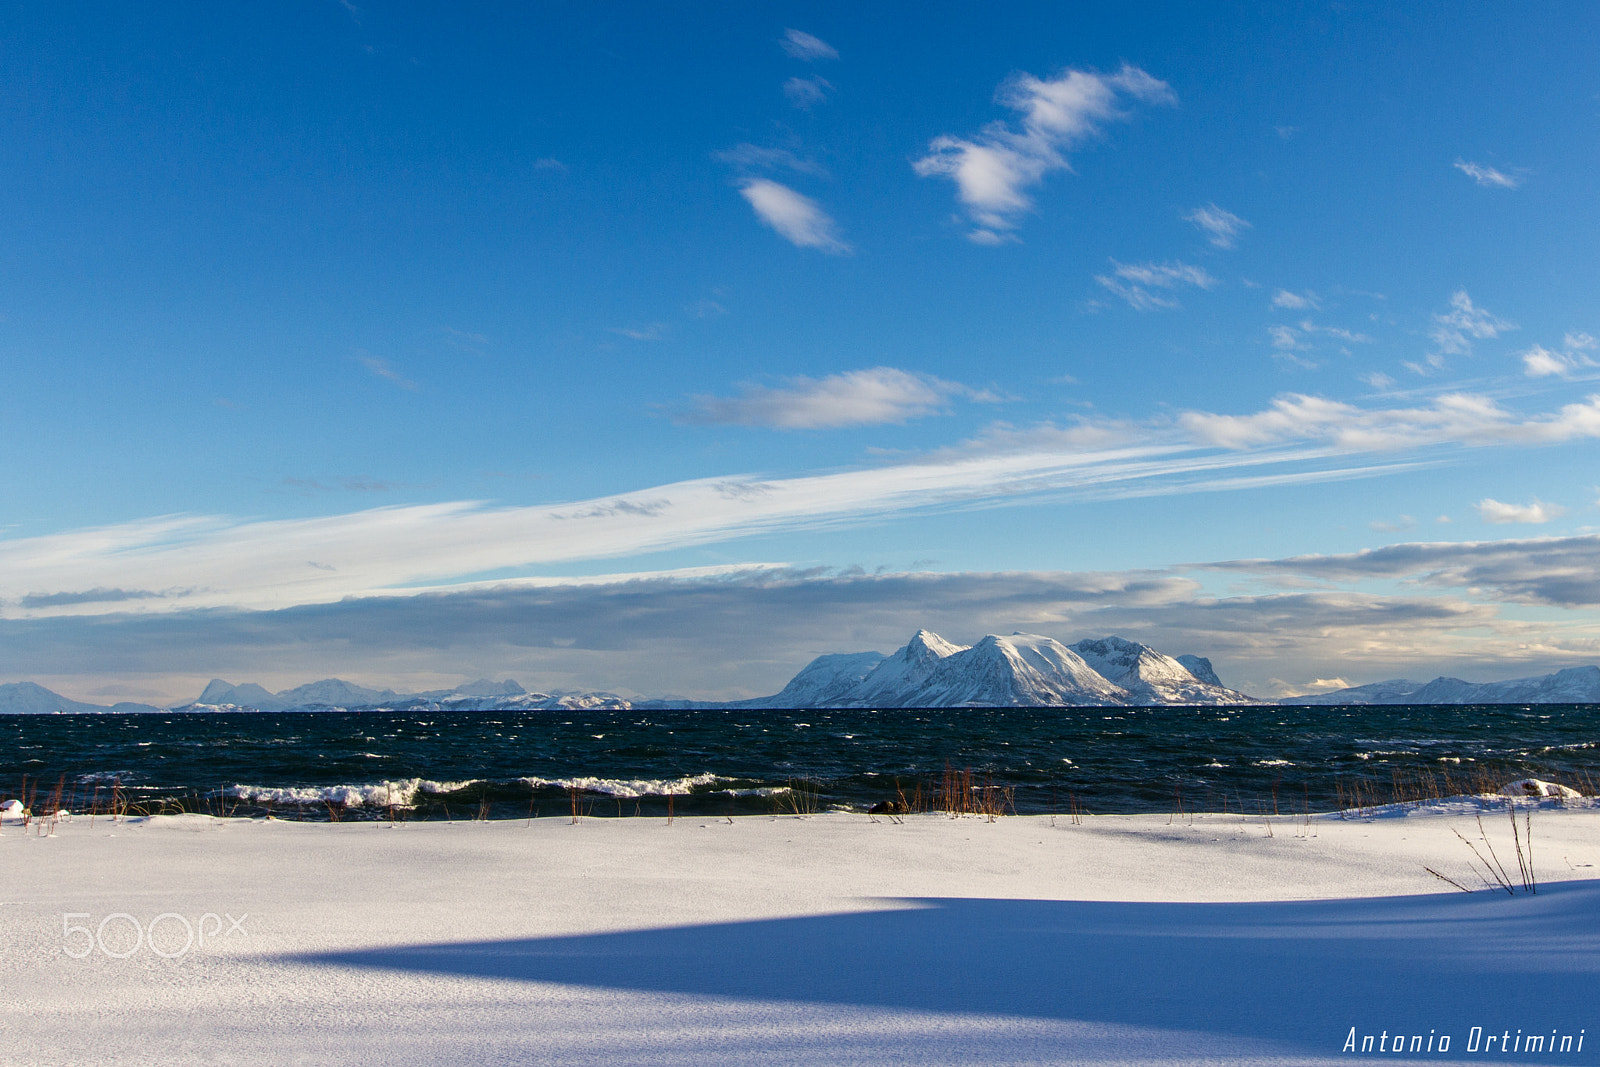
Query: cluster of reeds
[
  {"x": 59, "y": 804},
  {"x": 799, "y": 796},
  {"x": 1489, "y": 869},
  {"x": 1420, "y": 785},
  {"x": 957, "y": 791}
]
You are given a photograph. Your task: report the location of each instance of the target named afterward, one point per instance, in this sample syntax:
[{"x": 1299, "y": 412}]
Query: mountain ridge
[{"x": 1019, "y": 670}]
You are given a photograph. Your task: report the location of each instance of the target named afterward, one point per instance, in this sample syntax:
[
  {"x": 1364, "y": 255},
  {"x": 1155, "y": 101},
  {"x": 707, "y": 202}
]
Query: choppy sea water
[{"x": 380, "y": 765}]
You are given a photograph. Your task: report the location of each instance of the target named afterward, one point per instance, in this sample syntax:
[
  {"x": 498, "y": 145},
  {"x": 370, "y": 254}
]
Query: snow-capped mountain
[
  {"x": 1022, "y": 670},
  {"x": 1201, "y": 668},
  {"x": 335, "y": 693},
  {"x": 822, "y": 682},
  {"x": 909, "y": 669},
  {"x": 1151, "y": 677},
  {"x": 329, "y": 692},
  {"x": 28, "y": 698},
  {"x": 1389, "y": 691},
  {"x": 1575, "y": 685}
]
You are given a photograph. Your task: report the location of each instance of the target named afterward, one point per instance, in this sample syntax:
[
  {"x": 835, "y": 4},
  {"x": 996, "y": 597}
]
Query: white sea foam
[
  {"x": 759, "y": 791},
  {"x": 402, "y": 793},
  {"x": 629, "y": 787}
]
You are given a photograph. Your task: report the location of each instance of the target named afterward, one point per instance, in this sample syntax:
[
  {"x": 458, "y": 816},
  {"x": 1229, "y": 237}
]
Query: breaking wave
[
  {"x": 400, "y": 794},
  {"x": 409, "y": 792},
  {"x": 630, "y": 787}
]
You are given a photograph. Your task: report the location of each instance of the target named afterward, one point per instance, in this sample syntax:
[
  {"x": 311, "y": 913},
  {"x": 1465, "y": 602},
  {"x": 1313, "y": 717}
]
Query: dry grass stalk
[
  {"x": 799, "y": 797},
  {"x": 1493, "y": 873},
  {"x": 1442, "y": 878},
  {"x": 1524, "y": 864}
]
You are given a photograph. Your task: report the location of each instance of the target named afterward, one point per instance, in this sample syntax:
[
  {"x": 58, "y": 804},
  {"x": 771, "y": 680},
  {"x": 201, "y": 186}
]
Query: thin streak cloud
[
  {"x": 1222, "y": 228},
  {"x": 874, "y": 397},
  {"x": 1487, "y": 176},
  {"x": 798, "y": 44},
  {"x": 382, "y": 369},
  {"x": 796, "y": 218},
  {"x": 215, "y": 561}
]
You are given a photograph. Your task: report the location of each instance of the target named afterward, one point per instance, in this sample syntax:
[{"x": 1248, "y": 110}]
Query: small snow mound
[
  {"x": 11, "y": 809},
  {"x": 1533, "y": 787}
]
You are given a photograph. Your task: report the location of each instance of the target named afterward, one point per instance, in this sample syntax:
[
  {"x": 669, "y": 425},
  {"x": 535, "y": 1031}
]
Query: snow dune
[{"x": 824, "y": 940}]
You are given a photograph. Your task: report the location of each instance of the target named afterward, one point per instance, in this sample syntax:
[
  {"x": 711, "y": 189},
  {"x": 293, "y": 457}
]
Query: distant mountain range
[
  {"x": 1022, "y": 670},
  {"x": 330, "y": 694},
  {"x": 1575, "y": 685},
  {"x": 482, "y": 695},
  {"x": 25, "y": 698}
]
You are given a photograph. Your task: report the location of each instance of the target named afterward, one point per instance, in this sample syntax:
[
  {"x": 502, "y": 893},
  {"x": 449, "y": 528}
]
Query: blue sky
[{"x": 660, "y": 349}]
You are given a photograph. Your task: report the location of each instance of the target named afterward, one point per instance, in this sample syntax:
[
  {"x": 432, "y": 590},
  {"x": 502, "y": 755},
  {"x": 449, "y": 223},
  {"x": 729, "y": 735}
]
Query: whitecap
[
  {"x": 400, "y": 794},
  {"x": 628, "y": 787}
]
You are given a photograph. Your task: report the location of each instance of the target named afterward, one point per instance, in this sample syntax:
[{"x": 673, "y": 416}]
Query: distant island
[{"x": 1022, "y": 670}]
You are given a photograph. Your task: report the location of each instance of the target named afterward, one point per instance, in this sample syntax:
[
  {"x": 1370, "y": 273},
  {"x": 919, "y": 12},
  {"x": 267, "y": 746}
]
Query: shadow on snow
[{"x": 1297, "y": 974}]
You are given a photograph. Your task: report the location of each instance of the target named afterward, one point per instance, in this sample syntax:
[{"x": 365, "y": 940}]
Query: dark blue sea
[{"x": 381, "y": 765}]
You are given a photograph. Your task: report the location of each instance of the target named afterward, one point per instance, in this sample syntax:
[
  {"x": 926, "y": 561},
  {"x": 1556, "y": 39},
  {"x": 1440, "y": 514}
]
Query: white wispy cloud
[
  {"x": 1288, "y": 344},
  {"x": 1147, "y": 286},
  {"x": 1288, "y": 301},
  {"x": 801, "y": 45},
  {"x": 742, "y": 631},
  {"x": 1491, "y": 510},
  {"x": 995, "y": 169},
  {"x": 1222, "y": 228},
  {"x": 1541, "y": 362},
  {"x": 1285, "y": 338},
  {"x": 382, "y": 369},
  {"x": 806, "y": 93},
  {"x": 217, "y": 562},
  {"x": 704, "y": 308},
  {"x": 1454, "y": 331},
  {"x": 1456, "y": 418},
  {"x": 655, "y": 331},
  {"x": 1297, "y": 338},
  {"x": 756, "y": 158},
  {"x": 1554, "y": 571},
  {"x": 1487, "y": 176},
  {"x": 797, "y": 218},
  {"x": 871, "y": 397}
]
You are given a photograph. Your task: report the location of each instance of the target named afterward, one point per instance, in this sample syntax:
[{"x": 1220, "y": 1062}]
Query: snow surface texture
[
  {"x": 820, "y": 941},
  {"x": 1534, "y": 787}
]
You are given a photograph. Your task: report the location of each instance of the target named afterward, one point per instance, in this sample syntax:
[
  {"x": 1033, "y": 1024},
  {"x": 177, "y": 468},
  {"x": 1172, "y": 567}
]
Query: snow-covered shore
[{"x": 829, "y": 939}]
